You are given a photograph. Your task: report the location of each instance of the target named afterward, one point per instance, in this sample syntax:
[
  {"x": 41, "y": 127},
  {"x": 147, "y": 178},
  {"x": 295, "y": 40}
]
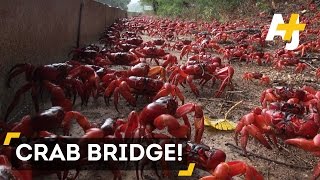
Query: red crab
[
  {"x": 257, "y": 125},
  {"x": 151, "y": 52},
  {"x": 204, "y": 72},
  {"x": 280, "y": 120},
  {"x": 204, "y": 157},
  {"x": 109, "y": 130},
  {"x": 124, "y": 47},
  {"x": 58, "y": 97},
  {"x": 140, "y": 70},
  {"x": 148, "y": 87},
  {"x": 204, "y": 58},
  {"x": 122, "y": 58},
  {"x": 49, "y": 119},
  {"x": 38, "y": 78},
  {"x": 158, "y": 42},
  {"x": 306, "y": 96},
  {"x": 89, "y": 80},
  {"x": 281, "y": 94},
  {"x": 164, "y": 113},
  {"x": 129, "y": 34},
  {"x": 85, "y": 54},
  {"x": 255, "y": 75},
  {"x": 281, "y": 63},
  {"x": 177, "y": 46},
  {"x": 190, "y": 48},
  {"x": 135, "y": 41},
  {"x": 144, "y": 70},
  {"x": 213, "y": 161}
]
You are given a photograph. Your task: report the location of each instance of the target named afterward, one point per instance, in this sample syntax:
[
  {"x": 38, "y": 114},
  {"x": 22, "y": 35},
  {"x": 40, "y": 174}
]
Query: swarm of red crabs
[
  {"x": 125, "y": 66},
  {"x": 291, "y": 114},
  {"x": 162, "y": 113}
]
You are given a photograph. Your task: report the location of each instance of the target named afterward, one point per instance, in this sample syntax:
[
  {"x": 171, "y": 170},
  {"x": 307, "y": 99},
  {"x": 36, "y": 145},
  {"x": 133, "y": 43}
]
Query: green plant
[{"x": 206, "y": 9}]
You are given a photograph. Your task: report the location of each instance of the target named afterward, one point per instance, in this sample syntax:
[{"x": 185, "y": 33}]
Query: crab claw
[
  {"x": 225, "y": 171},
  {"x": 157, "y": 70},
  {"x": 215, "y": 159},
  {"x": 124, "y": 90},
  {"x": 267, "y": 96},
  {"x": 90, "y": 134},
  {"x": 183, "y": 110},
  {"x": 133, "y": 123},
  {"x": 174, "y": 128},
  {"x": 308, "y": 145},
  {"x": 308, "y": 129},
  {"x": 309, "y": 89},
  {"x": 305, "y": 144},
  {"x": 24, "y": 126},
  {"x": 169, "y": 60}
]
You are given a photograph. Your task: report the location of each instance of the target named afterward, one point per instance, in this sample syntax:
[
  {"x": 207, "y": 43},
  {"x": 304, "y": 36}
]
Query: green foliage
[
  {"x": 170, "y": 9},
  {"x": 263, "y": 5},
  {"x": 116, "y": 3},
  {"x": 204, "y": 9}
]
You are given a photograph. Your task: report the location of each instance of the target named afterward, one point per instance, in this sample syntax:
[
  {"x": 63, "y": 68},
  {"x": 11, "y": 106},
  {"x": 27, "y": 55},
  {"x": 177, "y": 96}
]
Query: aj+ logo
[{"x": 288, "y": 31}]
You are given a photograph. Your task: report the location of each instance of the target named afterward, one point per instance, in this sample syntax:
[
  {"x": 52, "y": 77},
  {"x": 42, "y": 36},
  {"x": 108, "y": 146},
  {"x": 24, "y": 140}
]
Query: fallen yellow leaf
[{"x": 220, "y": 124}]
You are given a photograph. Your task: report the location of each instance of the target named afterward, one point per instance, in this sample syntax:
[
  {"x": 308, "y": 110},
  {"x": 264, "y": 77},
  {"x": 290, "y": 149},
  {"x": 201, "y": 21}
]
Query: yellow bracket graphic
[
  {"x": 187, "y": 172},
  {"x": 9, "y": 136}
]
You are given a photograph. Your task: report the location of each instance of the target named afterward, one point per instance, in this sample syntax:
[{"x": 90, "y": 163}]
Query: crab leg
[
  {"x": 81, "y": 120},
  {"x": 224, "y": 74},
  {"x": 58, "y": 97},
  {"x": 192, "y": 85},
  {"x": 198, "y": 118}
]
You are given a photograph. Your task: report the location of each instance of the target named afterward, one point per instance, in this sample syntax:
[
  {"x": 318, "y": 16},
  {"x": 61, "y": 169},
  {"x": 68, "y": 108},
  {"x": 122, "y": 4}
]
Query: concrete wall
[
  {"x": 93, "y": 21},
  {"x": 43, "y": 32}
]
